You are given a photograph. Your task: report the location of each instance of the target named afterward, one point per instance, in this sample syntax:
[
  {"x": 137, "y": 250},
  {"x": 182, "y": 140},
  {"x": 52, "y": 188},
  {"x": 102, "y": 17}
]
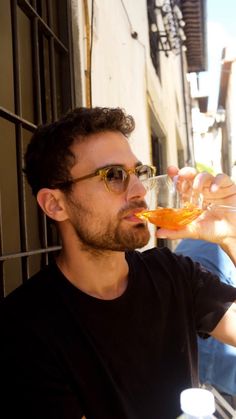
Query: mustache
[{"x": 125, "y": 210}]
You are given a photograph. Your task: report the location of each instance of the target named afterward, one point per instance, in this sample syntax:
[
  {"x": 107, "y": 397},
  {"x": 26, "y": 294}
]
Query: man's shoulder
[
  {"x": 29, "y": 295},
  {"x": 154, "y": 253},
  {"x": 159, "y": 254},
  {"x": 157, "y": 257}
]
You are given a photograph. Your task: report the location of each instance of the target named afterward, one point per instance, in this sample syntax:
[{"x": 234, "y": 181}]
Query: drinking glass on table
[{"x": 172, "y": 203}]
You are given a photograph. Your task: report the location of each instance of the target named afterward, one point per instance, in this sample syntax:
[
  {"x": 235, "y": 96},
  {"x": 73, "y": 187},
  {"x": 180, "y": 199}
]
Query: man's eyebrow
[{"x": 138, "y": 163}]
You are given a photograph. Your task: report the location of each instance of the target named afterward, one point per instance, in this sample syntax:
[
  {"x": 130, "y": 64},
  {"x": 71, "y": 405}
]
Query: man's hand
[{"x": 217, "y": 223}]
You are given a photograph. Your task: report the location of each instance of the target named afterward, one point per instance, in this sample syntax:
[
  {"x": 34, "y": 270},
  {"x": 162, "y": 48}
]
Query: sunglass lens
[
  {"x": 144, "y": 172},
  {"x": 116, "y": 179}
]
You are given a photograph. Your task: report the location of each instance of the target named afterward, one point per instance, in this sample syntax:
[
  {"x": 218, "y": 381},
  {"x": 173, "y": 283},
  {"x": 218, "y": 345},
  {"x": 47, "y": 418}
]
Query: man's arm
[
  {"x": 225, "y": 331},
  {"x": 229, "y": 246},
  {"x": 218, "y": 223}
]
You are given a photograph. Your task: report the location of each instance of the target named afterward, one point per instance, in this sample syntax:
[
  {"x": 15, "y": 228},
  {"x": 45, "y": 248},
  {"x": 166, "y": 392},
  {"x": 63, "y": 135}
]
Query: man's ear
[{"x": 52, "y": 203}]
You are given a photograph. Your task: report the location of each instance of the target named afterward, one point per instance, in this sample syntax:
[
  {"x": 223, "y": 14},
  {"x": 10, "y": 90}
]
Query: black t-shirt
[{"x": 65, "y": 354}]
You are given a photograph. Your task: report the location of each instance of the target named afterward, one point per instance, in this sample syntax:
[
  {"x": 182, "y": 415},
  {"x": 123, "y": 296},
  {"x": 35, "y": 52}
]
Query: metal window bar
[
  {"x": 31, "y": 12},
  {"x": 18, "y": 130},
  {"x": 38, "y": 98},
  {"x": 70, "y": 80},
  {"x": 9, "y": 116},
  {"x": 53, "y": 77},
  {"x": 52, "y": 65},
  {"x": 223, "y": 407}
]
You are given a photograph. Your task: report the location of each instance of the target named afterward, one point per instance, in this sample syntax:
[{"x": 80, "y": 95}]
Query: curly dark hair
[{"x": 48, "y": 158}]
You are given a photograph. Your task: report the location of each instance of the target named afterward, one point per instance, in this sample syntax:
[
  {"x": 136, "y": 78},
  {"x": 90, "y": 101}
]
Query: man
[
  {"x": 217, "y": 361},
  {"x": 106, "y": 331}
]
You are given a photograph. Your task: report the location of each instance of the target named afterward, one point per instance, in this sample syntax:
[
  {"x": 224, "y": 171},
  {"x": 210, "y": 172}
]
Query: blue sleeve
[{"x": 211, "y": 256}]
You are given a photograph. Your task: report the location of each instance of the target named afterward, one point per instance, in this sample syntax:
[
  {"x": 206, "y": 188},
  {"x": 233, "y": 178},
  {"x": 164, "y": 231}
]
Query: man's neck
[{"x": 101, "y": 274}]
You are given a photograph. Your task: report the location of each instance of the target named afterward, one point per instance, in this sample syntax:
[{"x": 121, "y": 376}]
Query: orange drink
[{"x": 171, "y": 218}]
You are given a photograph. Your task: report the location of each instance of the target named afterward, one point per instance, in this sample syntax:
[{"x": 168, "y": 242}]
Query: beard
[{"x": 99, "y": 234}]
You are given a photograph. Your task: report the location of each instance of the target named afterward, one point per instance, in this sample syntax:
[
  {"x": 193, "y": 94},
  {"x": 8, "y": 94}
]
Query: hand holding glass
[{"x": 172, "y": 204}]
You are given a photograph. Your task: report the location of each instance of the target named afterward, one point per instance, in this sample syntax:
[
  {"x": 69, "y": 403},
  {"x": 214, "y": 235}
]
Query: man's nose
[{"x": 135, "y": 188}]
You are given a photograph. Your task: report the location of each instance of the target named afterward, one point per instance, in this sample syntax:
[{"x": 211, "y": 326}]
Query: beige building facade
[
  {"x": 227, "y": 102},
  {"x": 122, "y": 73}
]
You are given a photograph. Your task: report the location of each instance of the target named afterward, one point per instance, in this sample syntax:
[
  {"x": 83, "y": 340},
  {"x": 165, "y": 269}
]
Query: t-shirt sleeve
[
  {"x": 211, "y": 256},
  {"x": 209, "y": 296}
]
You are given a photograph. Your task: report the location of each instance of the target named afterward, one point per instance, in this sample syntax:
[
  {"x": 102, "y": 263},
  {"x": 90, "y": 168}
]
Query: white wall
[
  {"x": 118, "y": 65},
  {"x": 123, "y": 74},
  {"x": 230, "y": 114}
]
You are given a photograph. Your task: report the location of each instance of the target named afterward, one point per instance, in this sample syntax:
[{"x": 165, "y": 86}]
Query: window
[
  {"x": 36, "y": 87},
  {"x": 158, "y": 159},
  {"x": 154, "y": 36}
]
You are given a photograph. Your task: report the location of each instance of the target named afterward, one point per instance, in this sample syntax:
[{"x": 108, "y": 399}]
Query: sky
[{"x": 221, "y": 32}]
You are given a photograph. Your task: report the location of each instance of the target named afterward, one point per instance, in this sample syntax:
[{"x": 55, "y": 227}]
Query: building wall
[
  {"x": 230, "y": 118},
  {"x": 123, "y": 75},
  {"x": 226, "y": 104},
  {"x": 207, "y": 138}
]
